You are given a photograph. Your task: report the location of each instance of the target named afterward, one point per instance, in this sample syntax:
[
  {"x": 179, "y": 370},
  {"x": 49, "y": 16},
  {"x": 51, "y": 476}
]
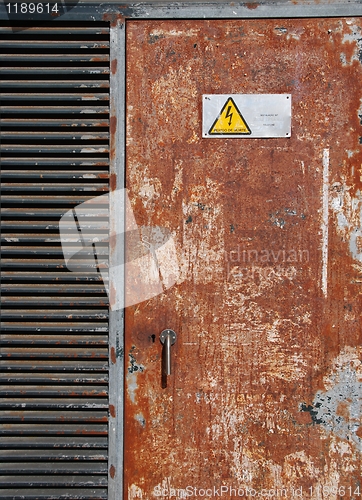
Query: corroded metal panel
[{"x": 266, "y": 381}]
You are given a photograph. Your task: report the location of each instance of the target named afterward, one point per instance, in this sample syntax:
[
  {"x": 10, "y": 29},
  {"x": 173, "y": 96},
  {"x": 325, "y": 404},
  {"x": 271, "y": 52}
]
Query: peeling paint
[
  {"x": 161, "y": 33},
  {"x": 353, "y": 38},
  {"x": 134, "y": 369},
  {"x": 338, "y": 410},
  {"x": 135, "y": 492},
  {"x": 140, "y": 418},
  {"x": 150, "y": 190},
  {"x": 348, "y": 213},
  {"x": 178, "y": 125}
]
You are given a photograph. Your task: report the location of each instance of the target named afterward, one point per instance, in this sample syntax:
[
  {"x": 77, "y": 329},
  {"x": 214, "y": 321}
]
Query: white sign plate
[{"x": 246, "y": 115}]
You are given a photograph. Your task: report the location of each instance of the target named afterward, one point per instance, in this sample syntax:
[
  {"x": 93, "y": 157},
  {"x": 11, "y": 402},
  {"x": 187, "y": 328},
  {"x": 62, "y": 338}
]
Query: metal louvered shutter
[{"x": 54, "y": 341}]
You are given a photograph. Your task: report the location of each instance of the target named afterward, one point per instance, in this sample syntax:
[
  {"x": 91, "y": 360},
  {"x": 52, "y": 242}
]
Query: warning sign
[
  {"x": 246, "y": 116},
  {"x": 230, "y": 121}
]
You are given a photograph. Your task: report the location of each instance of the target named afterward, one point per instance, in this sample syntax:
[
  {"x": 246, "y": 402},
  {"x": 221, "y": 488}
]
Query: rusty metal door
[{"x": 263, "y": 399}]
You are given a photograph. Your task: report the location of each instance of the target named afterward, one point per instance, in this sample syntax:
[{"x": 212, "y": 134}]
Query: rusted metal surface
[
  {"x": 54, "y": 341},
  {"x": 265, "y": 394}
]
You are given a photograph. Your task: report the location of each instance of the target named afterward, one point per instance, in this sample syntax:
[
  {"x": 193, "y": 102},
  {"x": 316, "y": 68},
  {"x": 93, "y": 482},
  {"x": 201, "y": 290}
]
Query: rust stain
[
  {"x": 113, "y": 130},
  {"x": 113, "y": 125},
  {"x": 112, "y": 471},
  {"x": 114, "y": 64},
  {"x": 112, "y": 18},
  {"x": 112, "y": 411},
  {"x": 113, "y": 355},
  {"x": 113, "y": 182},
  {"x": 251, "y": 5}
]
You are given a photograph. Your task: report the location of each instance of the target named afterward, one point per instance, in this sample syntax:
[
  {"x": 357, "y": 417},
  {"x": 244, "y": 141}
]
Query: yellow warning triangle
[{"x": 230, "y": 121}]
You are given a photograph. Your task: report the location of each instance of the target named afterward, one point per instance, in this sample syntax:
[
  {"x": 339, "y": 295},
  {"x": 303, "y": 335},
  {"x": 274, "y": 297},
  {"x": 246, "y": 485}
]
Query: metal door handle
[{"x": 167, "y": 338}]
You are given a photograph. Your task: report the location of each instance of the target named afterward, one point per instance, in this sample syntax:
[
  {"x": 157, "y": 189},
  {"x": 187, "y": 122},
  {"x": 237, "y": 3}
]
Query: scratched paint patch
[
  {"x": 284, "y": 358},
  {"x": 300, "y": 465},
  {"x": 338, "y": 409},
  {"x": 135, "y": 492},
  {"x": 354, "y": 37},
  {"x": 203, "y": 234},
  {"x": 147, "y": 187},
  {"x": 348, "y": 213},
  {"x": 157, "y": 34},
  {"x": 177, "y": 111},
  {"x": 134, "y": 369}
]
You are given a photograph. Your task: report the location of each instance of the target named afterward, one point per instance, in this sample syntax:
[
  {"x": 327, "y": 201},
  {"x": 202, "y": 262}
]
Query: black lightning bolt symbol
[{"x": 229, "y": 115}]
